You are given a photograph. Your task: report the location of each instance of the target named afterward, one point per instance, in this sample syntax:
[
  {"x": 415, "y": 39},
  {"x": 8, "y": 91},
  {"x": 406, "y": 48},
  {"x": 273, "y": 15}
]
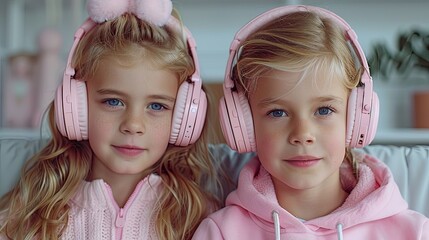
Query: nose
[
  {"x": 301, "y": 133},
  {"x": 133, "y": 123}
]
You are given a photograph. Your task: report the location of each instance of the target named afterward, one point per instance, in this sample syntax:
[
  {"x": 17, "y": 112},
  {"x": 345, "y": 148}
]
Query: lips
[
  {"x": 129, "y": 150},
  {"x": 303, "y": 161}
]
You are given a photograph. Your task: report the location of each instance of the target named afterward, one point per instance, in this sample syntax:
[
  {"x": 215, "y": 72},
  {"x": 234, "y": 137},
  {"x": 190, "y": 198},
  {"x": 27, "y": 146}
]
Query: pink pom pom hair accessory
[{"x": 156, "y": 12}]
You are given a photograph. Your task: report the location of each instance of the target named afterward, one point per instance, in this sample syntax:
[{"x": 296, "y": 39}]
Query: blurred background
[{"x": 35, "y": 36}]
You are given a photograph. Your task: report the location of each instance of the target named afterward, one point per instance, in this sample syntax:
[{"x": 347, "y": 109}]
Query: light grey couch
[{"x": 409, "y": 165}]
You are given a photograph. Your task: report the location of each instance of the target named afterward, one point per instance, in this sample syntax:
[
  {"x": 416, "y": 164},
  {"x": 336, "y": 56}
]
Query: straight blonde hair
[{"x": 298, "y": 42}]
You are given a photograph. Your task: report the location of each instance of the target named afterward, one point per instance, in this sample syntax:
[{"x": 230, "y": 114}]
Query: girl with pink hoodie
[{"x": 298, "y": 92}]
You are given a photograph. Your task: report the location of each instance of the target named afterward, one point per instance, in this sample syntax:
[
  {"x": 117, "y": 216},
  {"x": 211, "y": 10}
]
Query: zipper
[
  {"x": 119, "y": 223},
  {"x": 121, "y": 213}
]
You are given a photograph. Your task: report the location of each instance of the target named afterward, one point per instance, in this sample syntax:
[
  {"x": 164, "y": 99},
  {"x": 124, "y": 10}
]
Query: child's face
[
  {"x": 300, "y": 129},
  {"x": 130, "y": 113}
]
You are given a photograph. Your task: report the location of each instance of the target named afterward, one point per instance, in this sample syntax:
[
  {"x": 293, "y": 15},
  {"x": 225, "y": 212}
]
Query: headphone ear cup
[
  {"x": 351, "y": 115},
  {"x": 247, "y": 122},
  {"x": 179, "y": 112},
  {"x": 236, "y": 121},
  {"x": 225, "y": 122},
  {"x": 373, "y": 121},
  {"x": 361, "y": 127},
  {"x": 82, "y": 110},
  {"x": 189, "y": 114},
  {"x": 73, "y": 125},
  {"x": 200, "y": 118}
]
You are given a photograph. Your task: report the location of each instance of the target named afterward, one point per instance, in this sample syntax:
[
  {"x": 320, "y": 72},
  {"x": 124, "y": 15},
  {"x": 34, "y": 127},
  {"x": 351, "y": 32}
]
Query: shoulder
[
  {"x": 407, "y": 165},
  {"x": 229, "y": 213},
  {"x": 411, "y": 222},
  {"x": 90, "y": 195},
  {"x": 223, "y": 223}
]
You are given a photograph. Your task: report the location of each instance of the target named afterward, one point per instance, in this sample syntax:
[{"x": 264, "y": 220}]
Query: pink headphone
[
  {"x": 71, "y": 107},
  {"x": 235, "y": 113}
]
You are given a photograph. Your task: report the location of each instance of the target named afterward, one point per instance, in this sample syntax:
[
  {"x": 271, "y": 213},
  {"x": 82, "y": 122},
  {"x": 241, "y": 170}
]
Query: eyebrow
[
  {"x": 271, "y": 100},
  {"x": 154, "y": 96}
]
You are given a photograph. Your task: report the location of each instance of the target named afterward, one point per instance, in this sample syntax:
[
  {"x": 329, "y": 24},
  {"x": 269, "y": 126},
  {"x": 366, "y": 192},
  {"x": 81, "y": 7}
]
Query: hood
[{"x": 374, "y": 196}]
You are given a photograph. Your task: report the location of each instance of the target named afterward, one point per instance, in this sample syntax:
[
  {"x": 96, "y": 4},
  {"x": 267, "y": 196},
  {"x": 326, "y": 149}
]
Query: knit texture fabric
[{"x": 94, "y": 214}]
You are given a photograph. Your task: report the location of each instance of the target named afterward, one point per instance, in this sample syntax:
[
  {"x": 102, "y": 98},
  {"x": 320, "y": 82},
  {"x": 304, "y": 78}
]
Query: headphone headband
[
  {"x": 172, "y": 23},
  {"x": 275, "y": 13}
]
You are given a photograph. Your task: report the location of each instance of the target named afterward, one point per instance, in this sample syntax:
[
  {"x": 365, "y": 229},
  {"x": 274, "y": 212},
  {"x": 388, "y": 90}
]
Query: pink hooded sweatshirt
[{"x": 374, "y": 209}]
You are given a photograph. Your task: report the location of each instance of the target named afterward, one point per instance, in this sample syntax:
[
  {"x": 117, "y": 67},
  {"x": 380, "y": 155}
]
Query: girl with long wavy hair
[{"x": 128, "y": 156}]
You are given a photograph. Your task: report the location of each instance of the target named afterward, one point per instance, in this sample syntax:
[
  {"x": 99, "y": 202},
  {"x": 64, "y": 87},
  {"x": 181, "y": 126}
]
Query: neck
[
  {"x": 122, "y": 185},
  {"x": 311, "y": 203},
  {"x": 122, "y": 188}
]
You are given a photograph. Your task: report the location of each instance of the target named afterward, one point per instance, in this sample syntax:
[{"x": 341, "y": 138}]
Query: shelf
[{"x": 403, "y": 136}]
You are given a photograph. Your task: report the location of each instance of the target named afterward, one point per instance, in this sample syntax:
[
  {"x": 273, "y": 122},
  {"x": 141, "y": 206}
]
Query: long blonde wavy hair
[
  {"x": 298, "y": 42},
  {"x": 37, "y": 207}
]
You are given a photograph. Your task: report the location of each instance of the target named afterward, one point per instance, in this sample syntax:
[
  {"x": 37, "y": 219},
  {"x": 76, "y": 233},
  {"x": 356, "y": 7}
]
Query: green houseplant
[
  {"x": 412, "y": 54},
  {"x": 409, "y": 62}
]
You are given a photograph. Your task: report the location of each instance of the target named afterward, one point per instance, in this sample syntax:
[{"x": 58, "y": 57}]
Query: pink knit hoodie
[{"x": 374, "y": 209}]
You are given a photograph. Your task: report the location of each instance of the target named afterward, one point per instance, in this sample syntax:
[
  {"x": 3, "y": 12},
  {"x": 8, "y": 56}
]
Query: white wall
[
  {"x": 214, "y": 26},
  {"x": 214, "y": 23}
]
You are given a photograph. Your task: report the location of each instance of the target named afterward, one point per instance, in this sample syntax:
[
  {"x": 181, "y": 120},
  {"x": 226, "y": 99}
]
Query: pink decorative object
[
  {"x": 103, "y": 10},
  {"x": 154, "y": 11},
  {"x": 49, "y": 67},
  {"x": 19, "y": 91}
]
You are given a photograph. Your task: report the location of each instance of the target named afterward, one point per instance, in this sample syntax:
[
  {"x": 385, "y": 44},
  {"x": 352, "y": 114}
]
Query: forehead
[
  {"x": 298, "y": 85},
  {"x": 136, "y": 77}
]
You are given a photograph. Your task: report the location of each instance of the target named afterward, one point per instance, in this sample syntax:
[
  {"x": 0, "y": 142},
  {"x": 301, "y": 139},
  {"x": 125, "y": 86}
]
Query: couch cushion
[
  {"x": 14, "y": 151},
  {"x": 410, "y": 169}
]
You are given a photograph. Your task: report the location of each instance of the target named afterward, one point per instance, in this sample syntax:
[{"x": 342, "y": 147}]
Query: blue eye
[
  {"x": 156, "y": 106},
  {"x": 323, "y": 111},
  {"x": 114, "y": 102},
  {"x": 277, "y": 113}
]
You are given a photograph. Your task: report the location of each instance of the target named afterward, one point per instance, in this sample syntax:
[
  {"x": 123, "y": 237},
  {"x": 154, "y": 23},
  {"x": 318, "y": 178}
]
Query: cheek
[
  {"x": 335, "y": 143},
  {"x": 161, "y": 128},
  {"x": 267, "y": 137},
  {"x": 99, "y": 123},
  {"x": 159, "y": 134},
  {"x": 99, "y": 128},
  {"x": 161, "y": 123}
]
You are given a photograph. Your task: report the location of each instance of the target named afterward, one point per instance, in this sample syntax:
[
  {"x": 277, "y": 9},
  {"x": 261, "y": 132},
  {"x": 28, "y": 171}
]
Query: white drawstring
[
  {"x": 340, "y": 231},
  {"x": 276, "y": 219}
]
